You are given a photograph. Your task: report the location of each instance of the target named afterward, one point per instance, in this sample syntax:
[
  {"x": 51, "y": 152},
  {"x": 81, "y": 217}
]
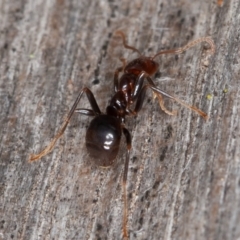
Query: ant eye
[{"x": 95, "y": 82}]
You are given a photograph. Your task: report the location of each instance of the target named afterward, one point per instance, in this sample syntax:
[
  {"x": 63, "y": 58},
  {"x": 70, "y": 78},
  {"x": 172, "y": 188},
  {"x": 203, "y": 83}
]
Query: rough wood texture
[{"x": 184, "y": 175}]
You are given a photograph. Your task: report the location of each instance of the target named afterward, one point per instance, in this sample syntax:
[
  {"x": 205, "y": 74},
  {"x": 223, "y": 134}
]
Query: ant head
[
  {"x": 151, "y": 65},
  {"x": 142, "y": 64}
]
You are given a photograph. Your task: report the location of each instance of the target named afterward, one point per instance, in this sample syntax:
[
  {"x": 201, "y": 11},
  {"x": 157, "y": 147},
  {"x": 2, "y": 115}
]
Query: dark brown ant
[{"x": 104, "y": 133}]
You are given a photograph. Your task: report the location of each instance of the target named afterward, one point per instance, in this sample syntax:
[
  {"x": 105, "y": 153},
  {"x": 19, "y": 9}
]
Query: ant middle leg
[
  {"x": 85, "y": 111},
  {"x": 95, "y": 110}
]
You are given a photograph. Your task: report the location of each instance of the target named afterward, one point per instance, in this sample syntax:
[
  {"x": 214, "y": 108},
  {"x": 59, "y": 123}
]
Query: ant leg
[
  {"x": 140, "y": 99},
  {"x": 160, "y": 92},
  {"x": 125, "y": 42},
  {"x": 160, "y": 99},
  {"x": 96, "y": 110},
  {"x": 139, "y": 93},
  {"x": 162, "y": 106},
  {"x": 138, "y": 85},
  {"x": 118, "y": 70},
  {"x": 84, "y": 111},
  {"x": 125, "y": 213}
]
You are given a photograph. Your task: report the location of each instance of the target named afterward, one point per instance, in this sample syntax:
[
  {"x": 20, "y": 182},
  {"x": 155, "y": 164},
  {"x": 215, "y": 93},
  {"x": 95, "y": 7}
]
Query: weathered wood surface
[{"x": 184, "y": 174}]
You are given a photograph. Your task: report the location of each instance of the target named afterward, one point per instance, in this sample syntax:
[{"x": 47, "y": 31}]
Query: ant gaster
[{"x": 104, "y": 133}]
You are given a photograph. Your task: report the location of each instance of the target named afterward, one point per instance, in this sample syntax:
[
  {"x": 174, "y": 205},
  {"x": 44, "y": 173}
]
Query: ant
[{"x": 104, "y": 133}]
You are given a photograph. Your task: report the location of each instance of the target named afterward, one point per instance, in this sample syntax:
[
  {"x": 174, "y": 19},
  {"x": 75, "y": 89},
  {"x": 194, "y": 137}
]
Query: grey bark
[{"x": 184, "y": 173}]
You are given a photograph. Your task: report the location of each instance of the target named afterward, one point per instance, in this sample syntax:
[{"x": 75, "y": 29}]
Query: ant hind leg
[{"x": 95, "y": 109}]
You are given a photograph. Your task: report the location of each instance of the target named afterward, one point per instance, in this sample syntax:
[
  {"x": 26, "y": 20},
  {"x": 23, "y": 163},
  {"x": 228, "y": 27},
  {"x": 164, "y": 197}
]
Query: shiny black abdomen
[{"x": 103, "y": 139}]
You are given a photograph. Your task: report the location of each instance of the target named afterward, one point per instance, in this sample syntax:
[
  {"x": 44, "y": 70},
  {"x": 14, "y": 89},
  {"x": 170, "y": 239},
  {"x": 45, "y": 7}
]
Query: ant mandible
[{"x": 104, "y": 133}]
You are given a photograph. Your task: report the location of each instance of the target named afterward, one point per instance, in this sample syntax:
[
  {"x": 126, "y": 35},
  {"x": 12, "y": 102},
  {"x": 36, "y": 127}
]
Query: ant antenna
[
  {"x": 189, "y": 45},
  {"x": 125, "y": 42}
]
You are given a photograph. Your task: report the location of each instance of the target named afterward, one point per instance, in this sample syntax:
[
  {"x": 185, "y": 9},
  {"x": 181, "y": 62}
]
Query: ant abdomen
[{"x": 103, "y": 139}]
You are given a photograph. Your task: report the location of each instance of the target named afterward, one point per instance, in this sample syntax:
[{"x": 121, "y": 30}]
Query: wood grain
[{"x": 184, "y": 174}]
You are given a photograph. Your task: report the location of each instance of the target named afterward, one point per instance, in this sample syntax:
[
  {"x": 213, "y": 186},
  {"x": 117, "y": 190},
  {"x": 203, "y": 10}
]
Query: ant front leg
[
  {"x": 85, "y": 111},
  {"x": 160, "y": 92},
  {"x": 125, "y": 213},
  {"x": 116, "y": 74},
  {"x": 139, "y": 93},
  {"x": 95, "y": 111},
  {"x": 118, "y": 70}
]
